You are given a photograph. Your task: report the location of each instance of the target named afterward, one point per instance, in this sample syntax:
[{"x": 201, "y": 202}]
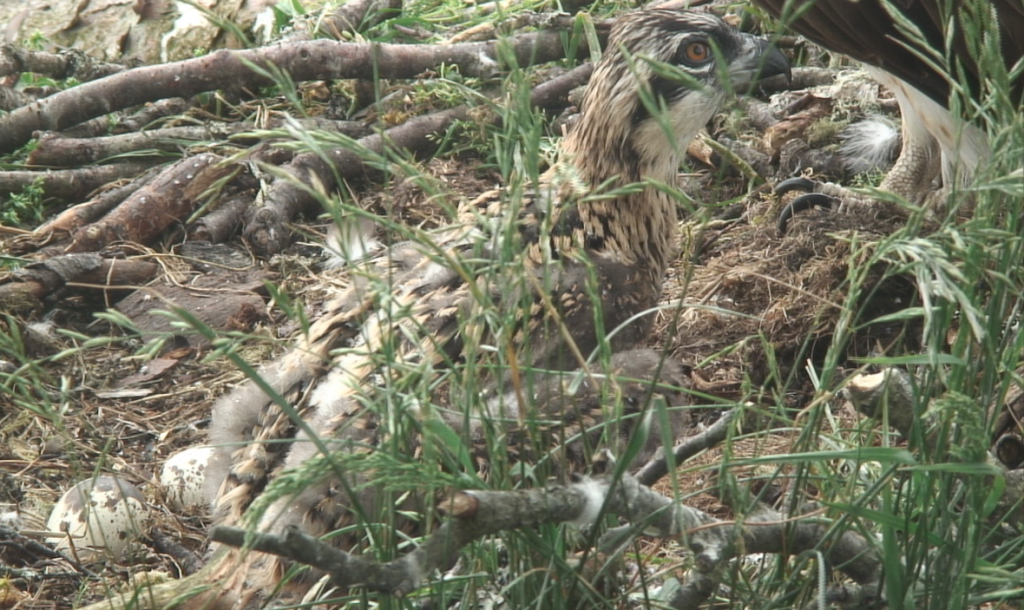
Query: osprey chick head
[{"x": 663, "y": 75}]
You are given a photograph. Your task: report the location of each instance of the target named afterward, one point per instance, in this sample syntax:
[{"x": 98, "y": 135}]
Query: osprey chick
[{"x": 590, "y": 256}]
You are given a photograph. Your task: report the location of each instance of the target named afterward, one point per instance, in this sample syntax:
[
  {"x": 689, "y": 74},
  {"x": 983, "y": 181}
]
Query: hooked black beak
[{"x": 758, "y": 60}]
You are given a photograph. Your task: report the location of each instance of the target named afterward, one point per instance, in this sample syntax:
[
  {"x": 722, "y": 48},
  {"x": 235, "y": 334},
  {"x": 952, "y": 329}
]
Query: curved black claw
[
  {"x": 800, "y": 204},
  {"x": 795, "y": 184}
]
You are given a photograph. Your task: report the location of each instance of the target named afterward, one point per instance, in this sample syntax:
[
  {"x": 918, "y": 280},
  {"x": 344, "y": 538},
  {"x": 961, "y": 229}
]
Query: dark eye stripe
[
  {"x": 695, "y": 29},
  {"x": 670, "y": 89},
  {"x": 661, "y": 88}
]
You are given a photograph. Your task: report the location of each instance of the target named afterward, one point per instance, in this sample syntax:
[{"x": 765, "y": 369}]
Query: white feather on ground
[{"x": 870, "y": 145}]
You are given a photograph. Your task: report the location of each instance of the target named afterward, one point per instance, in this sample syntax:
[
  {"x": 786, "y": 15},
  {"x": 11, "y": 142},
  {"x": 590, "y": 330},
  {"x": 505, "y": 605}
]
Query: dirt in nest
[
  {"x": 745, "y": 309},
  {"x": 741, "y": 283}
]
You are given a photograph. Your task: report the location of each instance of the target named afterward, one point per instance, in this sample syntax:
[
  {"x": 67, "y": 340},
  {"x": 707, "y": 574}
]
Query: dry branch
[
  {"x": 70, "y": 184},
  {"x": 302, "y": 61},
  {"x": 136, "y": 121},
  {"x": 55, "y": 150},
  {"x": 229, "y": 306},
  {"x": 60, "y": 227},
  {"x": 66, "y": 64},
  {"x": 891, "y": 390},
  {"x": 15, "y": 98},
  {"x": 653, "y": 471},
  {"x": 219, "y": 225},
  {"x": 891, "y": 395},
  {"x": 286, "y": 198},
  {"x": 168, "y": 199},
  {"x": 27, "y": 287},
  {"x": 189, "y": 561},
  {"x": 474, "y": 514},
  {"x": 498, "y": 511},
  {"x": 266, "y": 230}
]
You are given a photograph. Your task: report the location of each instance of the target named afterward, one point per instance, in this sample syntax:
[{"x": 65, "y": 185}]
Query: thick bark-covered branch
[
  {"x": 890, "y": 389},
  {"x": 474, "y": 514},
  {"x": 168, "y": 199},
  {"x": 892, "y": 395},
  {"x": 71, "y": 63},
  {"x": 135, "y": 121},
  {"x": 70, "y": 184},
  {"x": 27, "y": 287},
  {"x": 57, "y": 150},
  {"x": 302, "y": 61},
  {"x": 59, "y": 228},
  {"x": 141, "y": 214}
]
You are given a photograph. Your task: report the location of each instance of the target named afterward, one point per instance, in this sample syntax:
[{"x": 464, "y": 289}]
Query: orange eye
[{"x": 697, "y": 51}]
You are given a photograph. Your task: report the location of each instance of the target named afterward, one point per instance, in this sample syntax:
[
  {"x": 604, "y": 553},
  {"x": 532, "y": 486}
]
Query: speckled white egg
[
  {"x": 183, "y": 475},
  {"x": 99, "y": 518}
]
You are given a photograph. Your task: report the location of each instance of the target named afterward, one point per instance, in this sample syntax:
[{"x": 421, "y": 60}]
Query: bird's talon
[
  {"x": 796, "y": 184},
  {"x": 801, "y": 204}
]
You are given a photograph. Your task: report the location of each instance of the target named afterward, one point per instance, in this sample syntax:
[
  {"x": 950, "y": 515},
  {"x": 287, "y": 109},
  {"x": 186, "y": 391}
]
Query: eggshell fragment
[
  {"x": 183, "y": 475},
  {"x": 99, "y": 518}
]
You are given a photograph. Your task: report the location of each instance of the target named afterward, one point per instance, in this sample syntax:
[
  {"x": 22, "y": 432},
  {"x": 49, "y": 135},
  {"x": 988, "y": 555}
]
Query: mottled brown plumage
[
  {"x": 588, "y": 258},
  {"x": 575, "y": 415}
]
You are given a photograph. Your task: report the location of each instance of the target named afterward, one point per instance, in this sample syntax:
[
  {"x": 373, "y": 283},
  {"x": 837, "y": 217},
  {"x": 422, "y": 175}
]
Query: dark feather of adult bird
[
  {"x": 919, "y": 70},
  {"x": 592, "y": 240}
]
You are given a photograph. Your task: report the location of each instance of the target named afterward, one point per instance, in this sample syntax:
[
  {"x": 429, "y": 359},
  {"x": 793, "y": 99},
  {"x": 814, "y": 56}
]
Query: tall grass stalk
[{"x": 938, "y": 523}]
